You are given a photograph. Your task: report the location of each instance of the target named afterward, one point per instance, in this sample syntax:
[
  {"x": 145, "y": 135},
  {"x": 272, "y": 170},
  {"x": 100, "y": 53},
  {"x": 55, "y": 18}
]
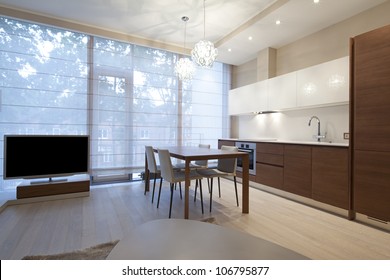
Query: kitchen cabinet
[
  {"x": 372, "y": 184},
  {"x": 324, "y": 84},
  {"x": 370, "y": 115},
  {"x": 318, "y": 172},
  {"x": 248, "y": 99},
  {"x": 269, "y": 164},
  {"x": 225, "y": 143},
  {"x": 297, "y": 170},
  {"x": 282, "y": 92},
  {"x": 330, "y": 179}
]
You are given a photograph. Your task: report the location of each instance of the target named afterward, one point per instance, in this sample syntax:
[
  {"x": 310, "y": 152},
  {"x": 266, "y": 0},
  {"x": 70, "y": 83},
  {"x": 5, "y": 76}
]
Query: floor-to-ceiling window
[
  {"x": 43, "y": 82},
  {"x": 111, "y": 105},
  {"x": 125, "y": 96}
]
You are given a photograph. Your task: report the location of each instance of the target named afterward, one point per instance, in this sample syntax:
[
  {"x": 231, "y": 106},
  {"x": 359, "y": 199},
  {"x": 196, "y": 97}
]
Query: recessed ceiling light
[
  {"x": 316, "y": 1},
  {"x": 278, "y": 22},
  {"x": 250, "y": 38},
  {"x": 229, "y": 49}
]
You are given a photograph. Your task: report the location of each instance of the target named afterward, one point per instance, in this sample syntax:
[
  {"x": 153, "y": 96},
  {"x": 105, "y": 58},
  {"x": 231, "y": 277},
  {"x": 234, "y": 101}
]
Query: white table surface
[{"x": 177, "y": 239}]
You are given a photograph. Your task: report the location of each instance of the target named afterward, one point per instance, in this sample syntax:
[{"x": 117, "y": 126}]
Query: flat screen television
[{"x": 45, "y": 156}]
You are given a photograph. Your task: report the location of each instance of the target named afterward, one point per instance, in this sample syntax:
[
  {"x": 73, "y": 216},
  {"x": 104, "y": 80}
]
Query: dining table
[{"x": 189, "y": 154}]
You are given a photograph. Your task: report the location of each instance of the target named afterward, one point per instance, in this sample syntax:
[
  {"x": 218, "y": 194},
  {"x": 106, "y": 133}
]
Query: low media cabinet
[{"x": 71, "y": 184}]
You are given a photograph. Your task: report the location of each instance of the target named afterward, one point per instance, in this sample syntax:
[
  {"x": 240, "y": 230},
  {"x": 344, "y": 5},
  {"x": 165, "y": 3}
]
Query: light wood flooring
[{"x": 111, "y": 212}]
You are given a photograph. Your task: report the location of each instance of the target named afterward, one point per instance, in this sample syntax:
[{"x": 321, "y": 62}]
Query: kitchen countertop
[{"x": 284, "y": 141}]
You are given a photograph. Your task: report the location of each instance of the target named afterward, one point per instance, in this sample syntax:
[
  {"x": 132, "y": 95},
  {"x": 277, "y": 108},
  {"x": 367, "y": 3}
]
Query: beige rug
[
  {"x": 98, "y": 252},
  {"x": 210, "y": 220}
]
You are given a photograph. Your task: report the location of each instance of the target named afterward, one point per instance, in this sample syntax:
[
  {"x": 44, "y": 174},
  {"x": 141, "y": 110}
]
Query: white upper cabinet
[
  {"x": 324, "y": 84},
  {"x": 248, "y": 99},
  {"x": 282, "y": 92}
]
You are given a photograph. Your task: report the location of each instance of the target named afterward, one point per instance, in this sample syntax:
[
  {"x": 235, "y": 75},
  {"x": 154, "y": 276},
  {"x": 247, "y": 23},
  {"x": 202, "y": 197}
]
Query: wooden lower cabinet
[
  {"x": 269, "y": 175},
  {"x": 316, "y": 172},
  {"x": 372, "y": 184},
  {"x": 225, "y": 143},
  {"x": 330, "y": 183},
  {"x": 297, "y": 170},
  {"x": 269, "y": 166}
]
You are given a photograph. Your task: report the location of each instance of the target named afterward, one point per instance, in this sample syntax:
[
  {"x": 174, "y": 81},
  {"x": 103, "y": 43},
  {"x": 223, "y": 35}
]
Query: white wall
[
  {"x": 293, "y": 125},
  {"x": 327, "y": 44}
]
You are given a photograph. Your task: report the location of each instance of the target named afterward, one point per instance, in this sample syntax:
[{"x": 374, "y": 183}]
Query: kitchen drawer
[
  {"x": 269, "y": 159},
  {"x": 225, "y": 143},
  {"x": 297, "y": 151},
  {"x": 270, "y": 148},
  {"x": 269, "y": 175}
]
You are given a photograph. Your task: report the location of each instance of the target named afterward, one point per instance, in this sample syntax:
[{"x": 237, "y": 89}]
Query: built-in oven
[{"x": 249, "y": 148}]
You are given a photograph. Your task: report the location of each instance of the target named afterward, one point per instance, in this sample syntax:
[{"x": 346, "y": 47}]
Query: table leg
[
  {"x": 245, "y": 183},
  {"x": 187, "y": 189}
]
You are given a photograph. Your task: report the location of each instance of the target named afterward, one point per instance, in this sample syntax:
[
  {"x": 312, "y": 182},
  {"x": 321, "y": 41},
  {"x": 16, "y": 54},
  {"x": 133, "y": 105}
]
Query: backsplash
[{"x": 293, "y": 125}]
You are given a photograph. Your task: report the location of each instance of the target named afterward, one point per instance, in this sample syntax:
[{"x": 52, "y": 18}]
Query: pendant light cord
[
  {"x": 185, "y": 19},
  {"x": 185, "y": 33}
]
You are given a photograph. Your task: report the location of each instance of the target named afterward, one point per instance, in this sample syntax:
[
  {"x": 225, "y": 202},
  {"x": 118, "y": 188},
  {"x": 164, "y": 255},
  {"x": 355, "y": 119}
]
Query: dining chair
[
  {"x": 153, "y": 168},
  {"x": 225, "y": 167},
  {"x": 197, "y": 164},
  {"x": 173, "y": 176}
]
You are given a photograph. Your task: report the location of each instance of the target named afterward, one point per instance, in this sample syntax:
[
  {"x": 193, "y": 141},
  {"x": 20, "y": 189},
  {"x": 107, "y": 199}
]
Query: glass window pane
[
  {"x": 43, "y": 83},
  {"x": 133, "y": 98}
]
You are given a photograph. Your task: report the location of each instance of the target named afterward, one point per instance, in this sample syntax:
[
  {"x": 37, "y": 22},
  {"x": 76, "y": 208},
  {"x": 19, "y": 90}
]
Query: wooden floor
[{"x": 111, "y": 212}]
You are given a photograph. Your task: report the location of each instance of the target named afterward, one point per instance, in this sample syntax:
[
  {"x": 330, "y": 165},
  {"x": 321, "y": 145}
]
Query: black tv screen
[{"x": 45, "y": 156}]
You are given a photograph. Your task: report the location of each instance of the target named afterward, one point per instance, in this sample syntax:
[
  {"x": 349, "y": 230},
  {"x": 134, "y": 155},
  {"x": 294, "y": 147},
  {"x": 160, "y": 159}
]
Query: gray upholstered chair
[
  {"x": 173, "y": 176},
  {"x": 153, "y": 168},
  {"x": 225, "y": 167}
]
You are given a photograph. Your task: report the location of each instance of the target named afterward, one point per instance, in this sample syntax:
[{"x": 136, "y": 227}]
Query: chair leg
[
  {"x": 235, "y": 186},
  {"x": 211, "y": 193},
  {"x": 219, "y": 187},
  {"x": 170, "y": 203},
  {"x": 196, "y": 189},
  {"x": 159, "y": 192},
  {"x": 146, "y": 180},
  {"x": 201, "y": 194},
  {"x": 154, "y": 186}
]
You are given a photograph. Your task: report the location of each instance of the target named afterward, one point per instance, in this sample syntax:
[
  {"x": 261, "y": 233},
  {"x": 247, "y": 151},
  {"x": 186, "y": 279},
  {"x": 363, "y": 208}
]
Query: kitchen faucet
[{"x": 318, "y": 136}]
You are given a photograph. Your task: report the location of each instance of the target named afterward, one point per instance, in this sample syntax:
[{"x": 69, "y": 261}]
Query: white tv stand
[{"x": 73, "y": 184}]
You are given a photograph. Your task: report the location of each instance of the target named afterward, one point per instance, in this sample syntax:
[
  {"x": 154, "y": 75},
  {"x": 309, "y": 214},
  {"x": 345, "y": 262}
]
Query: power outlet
[{"x": 346, "y": 135}]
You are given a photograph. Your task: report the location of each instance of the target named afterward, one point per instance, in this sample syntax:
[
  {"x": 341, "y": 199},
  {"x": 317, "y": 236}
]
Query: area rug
[
  {"x": 210, "y": 220},
  {"x": 98, "y": 252}
]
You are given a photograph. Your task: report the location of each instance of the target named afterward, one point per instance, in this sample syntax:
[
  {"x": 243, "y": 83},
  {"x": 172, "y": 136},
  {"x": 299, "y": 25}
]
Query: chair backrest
[
  {"x": 203, "y": 162},
  {"x": 152, "y": 165},
  {"x": 228, "y": 164},
  {"x": 166, "y": 165}
]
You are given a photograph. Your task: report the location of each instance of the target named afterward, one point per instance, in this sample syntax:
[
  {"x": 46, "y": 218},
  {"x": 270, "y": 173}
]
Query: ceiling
[{"x": 229, "y": 23}]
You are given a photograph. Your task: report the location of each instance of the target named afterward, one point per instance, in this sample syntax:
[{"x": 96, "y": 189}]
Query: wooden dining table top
[{"x": 183, "y": 152}]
